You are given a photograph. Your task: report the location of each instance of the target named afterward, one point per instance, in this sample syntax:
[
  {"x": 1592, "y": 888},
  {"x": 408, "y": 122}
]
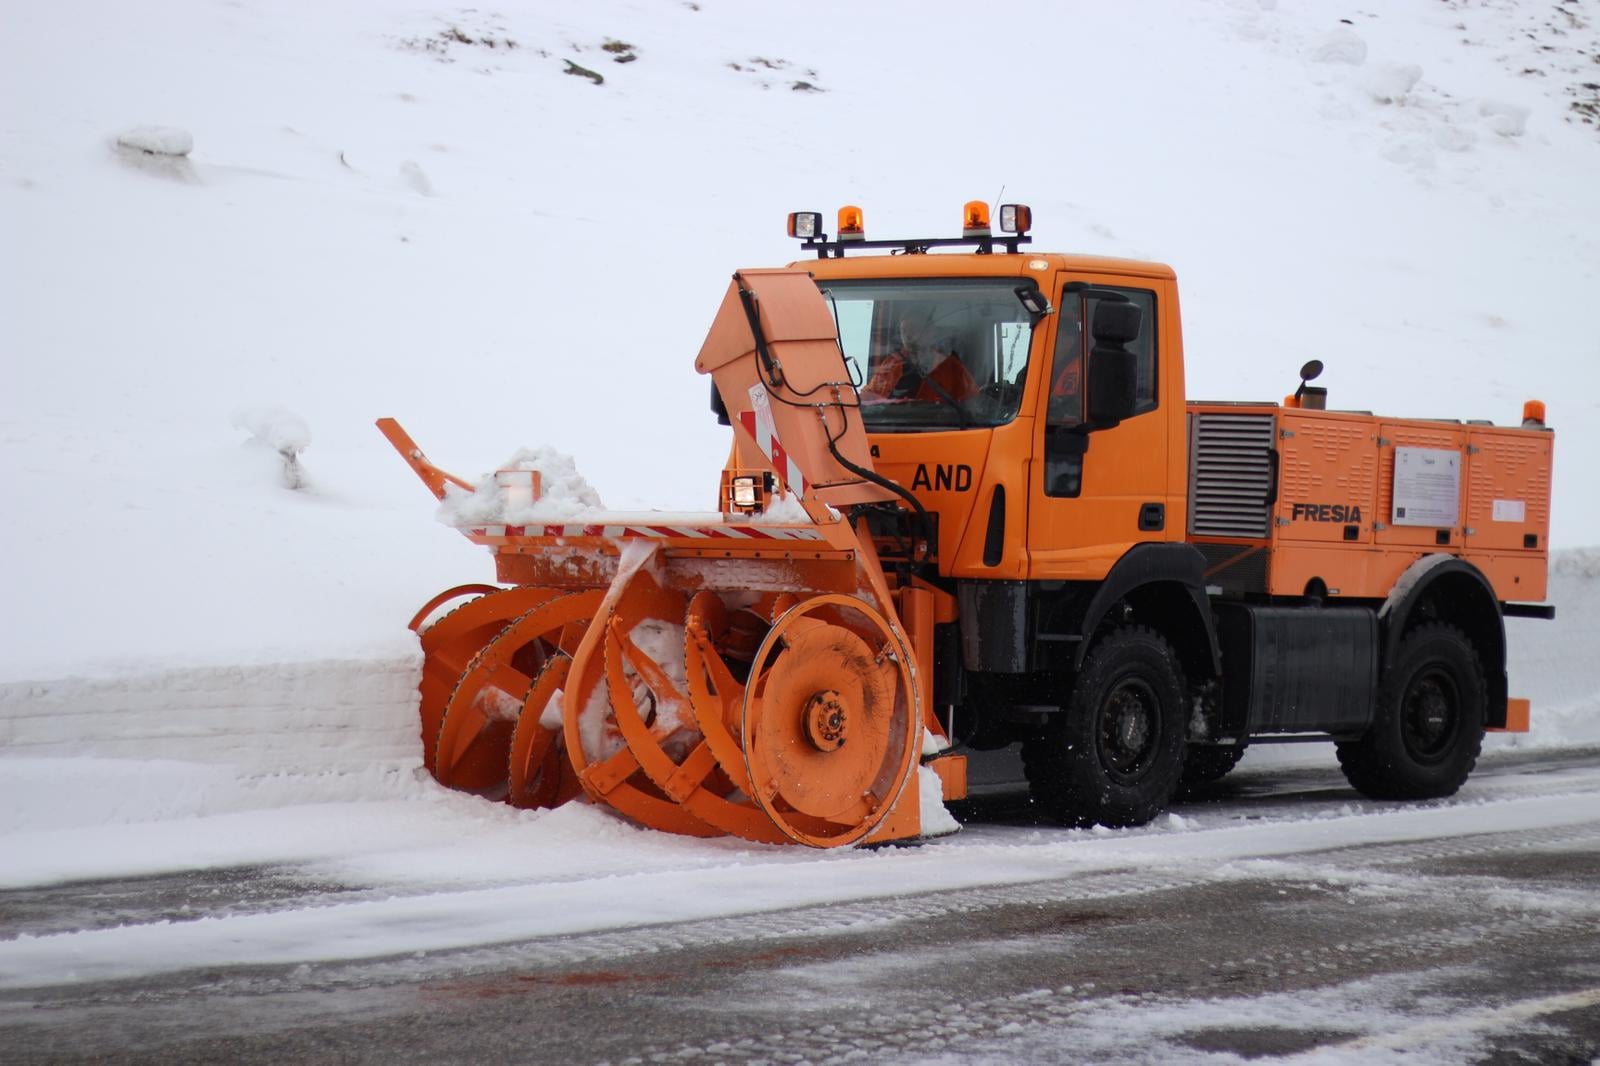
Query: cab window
[
  {"x": 933, "y": 353},
  {"x": 1065, "y": 406}
]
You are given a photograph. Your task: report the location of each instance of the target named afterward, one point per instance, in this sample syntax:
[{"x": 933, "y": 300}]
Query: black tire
[
  {"x": 1114, "y": 755},
  {"x": 1428, "y": 728},
  {"x": 1205, "y": 764}
]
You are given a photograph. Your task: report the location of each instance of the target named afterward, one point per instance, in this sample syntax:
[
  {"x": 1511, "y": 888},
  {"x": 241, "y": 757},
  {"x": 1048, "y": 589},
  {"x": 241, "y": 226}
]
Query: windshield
[{"x": 933, "y": 353}]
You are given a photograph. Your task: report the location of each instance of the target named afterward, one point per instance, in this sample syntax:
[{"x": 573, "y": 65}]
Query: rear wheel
[
  {"x": 1428, "y": 729},
  {"x": 1114, "y": 755}
]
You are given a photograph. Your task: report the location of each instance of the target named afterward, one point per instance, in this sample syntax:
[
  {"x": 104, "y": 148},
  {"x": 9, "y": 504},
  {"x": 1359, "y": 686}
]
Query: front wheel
[
  {"x": 1428, "y": 729},
  {"x": 1114, "y": 754}
]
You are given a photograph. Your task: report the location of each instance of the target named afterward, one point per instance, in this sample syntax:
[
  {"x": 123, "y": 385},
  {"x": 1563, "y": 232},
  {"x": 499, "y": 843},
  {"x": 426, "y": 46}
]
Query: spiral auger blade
[
  {"x": 502, "y": 693},
  {"x": 814, "y": 745},
  {"x": 623, "y": 711},
  {"x": 451, "y": 642},
  {"x": 539, "y": 774}
]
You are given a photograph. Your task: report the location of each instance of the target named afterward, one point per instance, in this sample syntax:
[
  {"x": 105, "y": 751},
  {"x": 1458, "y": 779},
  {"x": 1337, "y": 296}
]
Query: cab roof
[{"x": 973, "y": 264}]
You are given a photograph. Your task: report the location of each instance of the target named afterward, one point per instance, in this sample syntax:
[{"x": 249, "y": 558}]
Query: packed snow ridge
[{"x": 502, "y": 497}]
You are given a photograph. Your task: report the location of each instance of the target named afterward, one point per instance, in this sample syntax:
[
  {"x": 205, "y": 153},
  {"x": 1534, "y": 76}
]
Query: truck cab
[
  {"x": 1132, "y": 587},
  {"x": 1009, "y": 469}
]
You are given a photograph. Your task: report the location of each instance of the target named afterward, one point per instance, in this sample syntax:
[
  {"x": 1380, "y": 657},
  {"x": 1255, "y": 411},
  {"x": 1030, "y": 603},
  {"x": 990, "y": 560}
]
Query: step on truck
[{"x": 972, "y": 532}]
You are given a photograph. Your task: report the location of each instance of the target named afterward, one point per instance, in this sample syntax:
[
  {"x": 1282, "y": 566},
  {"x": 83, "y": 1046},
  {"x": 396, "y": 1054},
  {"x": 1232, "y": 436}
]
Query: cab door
[{"x": 1096, "y": 492}]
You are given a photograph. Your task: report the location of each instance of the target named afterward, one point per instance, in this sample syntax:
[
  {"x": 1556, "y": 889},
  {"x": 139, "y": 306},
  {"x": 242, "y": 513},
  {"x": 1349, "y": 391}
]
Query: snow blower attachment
[{"x": 747, "y": 671}]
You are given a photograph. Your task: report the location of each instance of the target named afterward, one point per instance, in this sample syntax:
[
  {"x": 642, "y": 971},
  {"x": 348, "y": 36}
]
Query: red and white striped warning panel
[
  {"x": 687, "y": 532},
  {"x": 758, "y": 422}
]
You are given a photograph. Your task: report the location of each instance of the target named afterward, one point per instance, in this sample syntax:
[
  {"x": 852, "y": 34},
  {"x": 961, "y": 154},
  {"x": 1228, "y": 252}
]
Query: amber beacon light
[
  {"x": 851, "y": 225},
  {"x": 975, "y": 219}
]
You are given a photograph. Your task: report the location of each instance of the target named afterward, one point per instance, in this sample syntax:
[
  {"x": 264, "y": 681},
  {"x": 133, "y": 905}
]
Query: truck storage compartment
[{"x": 1297, "y": 669}]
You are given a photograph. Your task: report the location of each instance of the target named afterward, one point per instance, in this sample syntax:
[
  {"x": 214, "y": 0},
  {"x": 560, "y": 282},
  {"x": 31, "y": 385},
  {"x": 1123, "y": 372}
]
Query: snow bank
[{"x": 185, "y": 743}]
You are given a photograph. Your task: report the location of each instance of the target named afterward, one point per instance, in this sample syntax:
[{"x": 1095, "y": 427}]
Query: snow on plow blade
[{"x": 702, "y": 674}]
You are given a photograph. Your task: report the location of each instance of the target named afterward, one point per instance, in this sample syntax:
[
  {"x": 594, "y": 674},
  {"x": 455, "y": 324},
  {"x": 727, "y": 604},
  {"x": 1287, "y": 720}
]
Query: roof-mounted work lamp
[
  {"x": 1015, "y": 218},
  {"x": 806, "y": 225}
]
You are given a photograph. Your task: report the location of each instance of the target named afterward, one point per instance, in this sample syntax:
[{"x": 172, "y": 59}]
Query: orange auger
[{"x": 702, "y": 674}]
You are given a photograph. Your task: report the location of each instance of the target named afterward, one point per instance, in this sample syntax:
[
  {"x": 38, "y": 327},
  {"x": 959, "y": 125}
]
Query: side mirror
[
  {"x": 1112, "y": 382},
  {"x": 1116, "y": 322},
  {"x": 1311, "y": 397}
]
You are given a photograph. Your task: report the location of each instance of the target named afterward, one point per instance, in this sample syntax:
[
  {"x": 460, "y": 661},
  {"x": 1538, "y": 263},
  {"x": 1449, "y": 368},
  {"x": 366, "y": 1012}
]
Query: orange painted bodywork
[
  {"x": 952, "y": 771},
  {"x": 1326, "y": 456},
  {"x": 1347, "y": 459},
  {"x": 1141, "y": 461},
  {"x": 1518, "y": 713}
]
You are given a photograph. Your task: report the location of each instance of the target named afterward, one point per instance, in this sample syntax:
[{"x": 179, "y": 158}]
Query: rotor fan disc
[{"x": 828, "y": 721}]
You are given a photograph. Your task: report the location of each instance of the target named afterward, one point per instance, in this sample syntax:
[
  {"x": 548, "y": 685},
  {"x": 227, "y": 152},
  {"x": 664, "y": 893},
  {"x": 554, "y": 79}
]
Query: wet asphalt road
[{"x": 1481, "y": 948}]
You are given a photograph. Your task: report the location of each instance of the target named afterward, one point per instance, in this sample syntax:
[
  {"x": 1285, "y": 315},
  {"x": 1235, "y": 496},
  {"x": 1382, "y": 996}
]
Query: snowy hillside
[
  {"x": 233, "y": 234},
  {"x": 432, "y": 213}
]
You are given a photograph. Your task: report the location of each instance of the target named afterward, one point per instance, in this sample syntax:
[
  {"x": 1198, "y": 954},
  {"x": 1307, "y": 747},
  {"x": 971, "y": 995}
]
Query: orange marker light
[
  {"x": 851, "y": 226},
  {"x": 975, "y": 219},
  {"x": 1533, "y": 413}
]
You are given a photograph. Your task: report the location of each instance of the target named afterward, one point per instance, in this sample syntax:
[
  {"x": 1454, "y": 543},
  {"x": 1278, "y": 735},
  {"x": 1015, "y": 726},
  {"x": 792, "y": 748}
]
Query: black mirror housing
[
  {"x": 1112, "y": 382},
  {"x": 1112, "y": 385},
  {"x": 1116, "y": 323}
]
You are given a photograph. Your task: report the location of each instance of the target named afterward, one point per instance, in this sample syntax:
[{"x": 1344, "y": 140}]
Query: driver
[
  {"x": 1066, "y": 387},
  {"x": 918, "y": 370}
]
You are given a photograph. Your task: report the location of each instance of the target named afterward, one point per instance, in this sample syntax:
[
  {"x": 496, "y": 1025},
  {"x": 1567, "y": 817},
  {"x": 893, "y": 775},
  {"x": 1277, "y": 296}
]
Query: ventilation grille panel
[{"x": 1230, "y": 474}]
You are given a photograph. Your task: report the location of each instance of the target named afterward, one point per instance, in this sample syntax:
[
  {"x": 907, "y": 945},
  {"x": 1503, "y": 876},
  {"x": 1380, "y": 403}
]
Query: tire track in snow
[
  {"x": 115, "y": 954},
  {"x": 989, "y": 1024}
]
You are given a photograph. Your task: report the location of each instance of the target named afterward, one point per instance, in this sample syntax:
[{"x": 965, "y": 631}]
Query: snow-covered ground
[{"x": 233, "y": 234}]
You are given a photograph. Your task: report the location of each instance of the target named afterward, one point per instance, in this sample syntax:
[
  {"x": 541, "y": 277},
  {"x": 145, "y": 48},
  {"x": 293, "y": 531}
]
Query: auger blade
[
  {"x": 481, "y": 715},
  {"x": 538, "y": 768},
  {"x": 451, "y": 642},
  {"x": 815, "y": 748}
]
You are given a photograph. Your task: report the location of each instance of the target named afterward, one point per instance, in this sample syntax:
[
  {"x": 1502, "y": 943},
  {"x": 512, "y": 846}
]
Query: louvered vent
[{"x": 1230, "y": 474}]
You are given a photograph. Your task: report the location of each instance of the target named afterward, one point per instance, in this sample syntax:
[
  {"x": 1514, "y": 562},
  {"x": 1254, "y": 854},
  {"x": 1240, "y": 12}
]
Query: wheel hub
[
  {"x": 1132, "y": 729},
  {"x": 1127, "y": 732},
  {"x": 1431, "y": 716},
  {"x": 825, "y": 720}
]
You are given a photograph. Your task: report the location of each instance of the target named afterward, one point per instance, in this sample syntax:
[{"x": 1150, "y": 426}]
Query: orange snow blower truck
[{"x": 971, "y": 536}]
